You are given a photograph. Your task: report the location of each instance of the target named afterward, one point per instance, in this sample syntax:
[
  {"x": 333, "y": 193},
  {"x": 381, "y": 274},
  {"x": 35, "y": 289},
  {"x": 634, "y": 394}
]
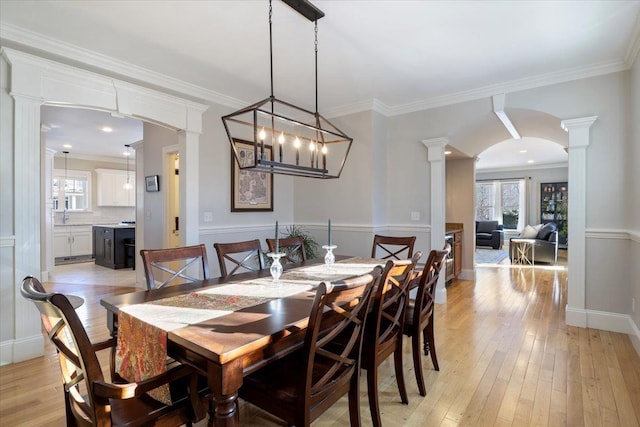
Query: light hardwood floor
[{"x": 506, "y": 359}]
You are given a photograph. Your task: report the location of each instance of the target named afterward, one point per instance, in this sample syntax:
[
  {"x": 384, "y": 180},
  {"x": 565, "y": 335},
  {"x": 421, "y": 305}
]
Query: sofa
[
  {"x": 545, "y": 242},
  {"x": 489, "y": 233}
]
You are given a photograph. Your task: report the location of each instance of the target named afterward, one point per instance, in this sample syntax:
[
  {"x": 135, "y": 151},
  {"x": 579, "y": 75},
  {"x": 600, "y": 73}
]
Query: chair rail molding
[
  {"x": 436, "y": 158},
  {"x": 579, "y": 131},
  {"x": 35, "y": 81}
]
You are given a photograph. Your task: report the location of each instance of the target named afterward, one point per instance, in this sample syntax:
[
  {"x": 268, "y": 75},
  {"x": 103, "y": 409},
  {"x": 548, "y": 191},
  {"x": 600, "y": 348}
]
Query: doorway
[{"x": 172, "y": 202}]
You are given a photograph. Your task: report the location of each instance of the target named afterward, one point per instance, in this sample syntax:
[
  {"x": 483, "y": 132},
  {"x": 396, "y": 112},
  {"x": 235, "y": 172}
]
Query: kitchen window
[{"x": 72, "y": 194}]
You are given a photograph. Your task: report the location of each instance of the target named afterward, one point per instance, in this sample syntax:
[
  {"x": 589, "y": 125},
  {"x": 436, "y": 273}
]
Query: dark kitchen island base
[{"x": 109, "y": 245}]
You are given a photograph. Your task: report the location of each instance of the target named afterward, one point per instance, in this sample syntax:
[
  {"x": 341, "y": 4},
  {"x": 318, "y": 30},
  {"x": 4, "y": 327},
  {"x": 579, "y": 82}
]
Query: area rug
[{"x": 490, "y": 256}]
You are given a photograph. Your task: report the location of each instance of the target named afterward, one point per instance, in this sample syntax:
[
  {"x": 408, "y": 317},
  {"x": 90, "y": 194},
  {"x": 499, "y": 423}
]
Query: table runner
[{"x": 141, "y": 350}]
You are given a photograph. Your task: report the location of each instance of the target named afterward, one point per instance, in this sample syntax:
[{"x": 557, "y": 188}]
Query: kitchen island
[{"x": 109, "y": 245}]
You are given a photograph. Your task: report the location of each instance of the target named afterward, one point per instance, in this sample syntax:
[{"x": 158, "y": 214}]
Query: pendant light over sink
[
  {"x": 127, "y": 185},
  {"x": 275, "y": 136}
]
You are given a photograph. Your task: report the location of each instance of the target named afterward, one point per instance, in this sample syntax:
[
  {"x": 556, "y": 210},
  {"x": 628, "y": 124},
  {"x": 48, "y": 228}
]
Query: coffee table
[{"x": 524, "y": 251}]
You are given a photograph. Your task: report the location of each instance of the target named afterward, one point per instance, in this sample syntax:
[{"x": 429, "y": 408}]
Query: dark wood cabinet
[
  {"x": 109, "y": 245},
  {"x": 453, "y": 265}
]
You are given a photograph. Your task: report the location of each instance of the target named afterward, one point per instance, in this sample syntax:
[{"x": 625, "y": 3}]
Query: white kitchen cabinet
[
  {"x": 72, "y": 240},
  {"x": 110, "y": 188}
]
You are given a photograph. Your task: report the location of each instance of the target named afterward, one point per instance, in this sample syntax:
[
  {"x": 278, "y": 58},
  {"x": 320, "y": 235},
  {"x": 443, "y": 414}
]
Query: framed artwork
[
  {"x": 251, "y": 191},
  {"x": 152, "y": 183}
]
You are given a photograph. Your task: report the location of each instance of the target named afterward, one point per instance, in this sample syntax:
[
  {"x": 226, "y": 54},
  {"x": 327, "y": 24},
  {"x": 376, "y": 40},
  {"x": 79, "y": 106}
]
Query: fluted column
[
  {"x": 578, "y": 129},
  {"x": 436, "y": 158},
  {"x": 28, "y": 340}
]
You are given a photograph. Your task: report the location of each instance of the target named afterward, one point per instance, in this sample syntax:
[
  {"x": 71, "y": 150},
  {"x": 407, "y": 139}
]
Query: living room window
[{"x": 503, "y": 201}]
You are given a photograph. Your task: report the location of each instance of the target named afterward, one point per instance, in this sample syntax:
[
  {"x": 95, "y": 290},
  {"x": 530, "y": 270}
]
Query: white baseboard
[
  {"x": 576, "y": 317},
  {"x": 634, "y": 336},
  {"x": 14, "y": 351},
  {"x": 605, "y": 321},
  {"x": 467, "y": 274}
]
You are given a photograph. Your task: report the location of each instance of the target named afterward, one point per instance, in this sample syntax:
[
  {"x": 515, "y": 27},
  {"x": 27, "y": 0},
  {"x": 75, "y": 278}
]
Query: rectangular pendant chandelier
[{"x": 274, "y": 136}]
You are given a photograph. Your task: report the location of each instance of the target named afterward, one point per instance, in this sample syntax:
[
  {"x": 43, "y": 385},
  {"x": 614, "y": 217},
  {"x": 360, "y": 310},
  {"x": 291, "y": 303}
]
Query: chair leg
[
  {"x": 372, "y": 388},
  {"x": 397, "y": 358},
  {"x": 354, "y": 400},
  {"x": 417, "y": 362},
  {"x": 432, "y": 344}
]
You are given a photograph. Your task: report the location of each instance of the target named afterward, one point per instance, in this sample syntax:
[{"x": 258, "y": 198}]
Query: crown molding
[
  {"x": 524, "y": 167},
  {"x": 358, "y": 107},
  {"x": 55, "y": 47},
  {"x": 531, "y": 82},
  {"x": 634, "y": 45},
  {"x": 86, "y": 56}
]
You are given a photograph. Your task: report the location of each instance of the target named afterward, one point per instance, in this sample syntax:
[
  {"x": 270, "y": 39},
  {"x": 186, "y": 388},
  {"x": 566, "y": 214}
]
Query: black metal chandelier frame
[{"x": 323, "y": 138}]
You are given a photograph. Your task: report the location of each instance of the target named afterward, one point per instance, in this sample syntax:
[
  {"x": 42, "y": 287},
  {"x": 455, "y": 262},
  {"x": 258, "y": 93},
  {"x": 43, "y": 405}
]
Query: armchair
[{"x": 489, "y": 233}]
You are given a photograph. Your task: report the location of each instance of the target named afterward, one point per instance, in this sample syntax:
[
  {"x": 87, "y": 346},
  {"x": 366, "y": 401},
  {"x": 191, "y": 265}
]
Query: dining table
[{"x": 226, "y": 327}]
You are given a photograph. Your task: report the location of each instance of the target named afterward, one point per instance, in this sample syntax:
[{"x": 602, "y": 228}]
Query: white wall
[
  {"x": 633, "y": 193},
  {"x": 155, "y": 138},
  {"x": 349, "y": 200},
  {"x": 460, "y": 207}
]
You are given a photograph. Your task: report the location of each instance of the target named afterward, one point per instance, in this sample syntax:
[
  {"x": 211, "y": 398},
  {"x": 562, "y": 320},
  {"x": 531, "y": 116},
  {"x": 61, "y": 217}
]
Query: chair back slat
[
  {"x": 425, "y": 297},
  {"x": 164, "y": 267},
  {"x": 239, "y": 257},
  {"x": 390, "y": 247},
  {"x": 293, "y": 247}
]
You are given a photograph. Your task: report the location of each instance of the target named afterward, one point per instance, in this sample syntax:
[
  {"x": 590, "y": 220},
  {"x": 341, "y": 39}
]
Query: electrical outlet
[
  {"x": 415, "y": 216},
  {"x": 207, "y": 216}
]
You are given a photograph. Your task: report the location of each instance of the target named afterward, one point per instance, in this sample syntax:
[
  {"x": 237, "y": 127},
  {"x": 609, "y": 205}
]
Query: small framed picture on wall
[{"x": 152, "y": 183}]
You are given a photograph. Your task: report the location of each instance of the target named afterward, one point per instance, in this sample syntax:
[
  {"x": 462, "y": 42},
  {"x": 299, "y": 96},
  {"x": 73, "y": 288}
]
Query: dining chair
[
  {"x": 301, "y": 386},
  {"x": 293, "y": 247},
  {"x": 419, "y": 316},
  {"x": 383, "y": 335},
  {"x": 172, "y": 266},
  {"x": 92, "y": 401},
  {"x": 240, "y": 257},
  {"x": 390, "y": 247}
]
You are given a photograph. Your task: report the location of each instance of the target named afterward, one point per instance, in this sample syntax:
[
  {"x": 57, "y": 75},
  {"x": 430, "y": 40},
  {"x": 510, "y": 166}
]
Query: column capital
[
  {"x": 581, "y": 122},
  {"x": 435, "y": 148}
]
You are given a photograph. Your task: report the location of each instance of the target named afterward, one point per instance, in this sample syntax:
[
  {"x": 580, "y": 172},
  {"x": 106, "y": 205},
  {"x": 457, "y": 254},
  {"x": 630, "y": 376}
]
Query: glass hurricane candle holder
[
  {"x": 276, "y": 267},
  {"x": 329, "y": 257}
]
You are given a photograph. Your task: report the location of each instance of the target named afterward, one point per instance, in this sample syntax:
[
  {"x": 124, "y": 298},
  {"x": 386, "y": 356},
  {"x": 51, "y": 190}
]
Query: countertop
[
  {"x": 452, "y": 227},
  {"x": 115, "y": 225}
]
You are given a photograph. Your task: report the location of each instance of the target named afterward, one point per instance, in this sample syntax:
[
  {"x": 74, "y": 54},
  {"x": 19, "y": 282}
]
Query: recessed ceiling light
[
  {"x": 530, "y": 161},
  {"x": 447, "y": 153},
  {"x": 106, "y": 129},
  {"x": 523, "y": 151},
  {"x": 66, "y": 145}
]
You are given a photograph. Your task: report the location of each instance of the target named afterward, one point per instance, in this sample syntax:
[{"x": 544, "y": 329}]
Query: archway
[
  {"x": 473, "y": 138},
  {"x": 34, "y": 81}
]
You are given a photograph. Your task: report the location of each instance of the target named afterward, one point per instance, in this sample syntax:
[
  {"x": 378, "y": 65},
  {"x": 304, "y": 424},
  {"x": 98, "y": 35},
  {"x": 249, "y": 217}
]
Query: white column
[
  {"x": 436, "y": 158},
  {"x": 578, "y": 129},
  {"x": 139, "y": 185},
  {"x": 189, "y": 143},
  {"x": 28, "y": 340}
]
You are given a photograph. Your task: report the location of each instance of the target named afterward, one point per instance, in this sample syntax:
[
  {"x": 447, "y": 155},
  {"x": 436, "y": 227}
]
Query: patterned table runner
[{"x": 141, "y": 351}]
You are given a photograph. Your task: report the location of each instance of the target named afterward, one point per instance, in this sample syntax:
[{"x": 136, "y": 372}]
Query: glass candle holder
[
  {"x": 276, "y": 267},
  {"x": 329, "y": 257}
]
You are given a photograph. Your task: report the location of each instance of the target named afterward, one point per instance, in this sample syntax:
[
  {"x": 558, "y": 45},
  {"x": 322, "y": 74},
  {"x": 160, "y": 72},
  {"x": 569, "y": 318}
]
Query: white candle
[
  {"x": 277, "y": 243},
  {"x": 329, "y": 232}
]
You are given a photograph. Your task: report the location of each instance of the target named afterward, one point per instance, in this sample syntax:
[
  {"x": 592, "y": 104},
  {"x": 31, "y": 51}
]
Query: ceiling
[{"x": 393, "y": 56}]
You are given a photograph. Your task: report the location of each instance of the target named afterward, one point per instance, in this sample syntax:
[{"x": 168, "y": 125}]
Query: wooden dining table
[{"x": 228, "y": 347}]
